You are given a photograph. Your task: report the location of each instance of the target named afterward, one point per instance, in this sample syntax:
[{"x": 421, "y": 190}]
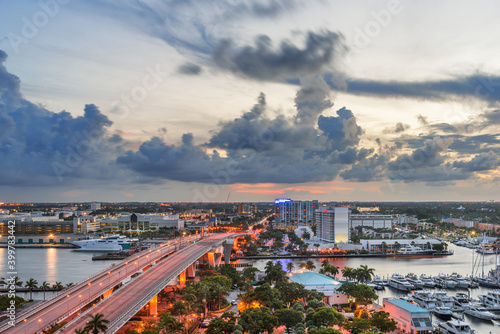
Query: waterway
[{"x": 66, "y": 265}]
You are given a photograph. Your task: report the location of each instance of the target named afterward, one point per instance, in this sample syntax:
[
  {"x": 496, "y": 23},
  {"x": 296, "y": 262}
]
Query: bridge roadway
[
  {"x": 71, "y": 300},
  {"x": 128, "y": 300}
]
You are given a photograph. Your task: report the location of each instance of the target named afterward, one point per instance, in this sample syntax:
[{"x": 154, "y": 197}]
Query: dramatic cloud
[
  {"x": 38, "y": 146},
  {"x": 479, "y": 86},
  {"x": 400, "y": 127},
  {"x": 288, "y": 61}
]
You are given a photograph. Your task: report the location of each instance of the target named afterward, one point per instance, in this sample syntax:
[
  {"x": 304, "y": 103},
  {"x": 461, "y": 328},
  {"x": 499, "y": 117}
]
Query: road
[
  {"x": 71, "y": 300},
  {"x": 124, "y": 303}
]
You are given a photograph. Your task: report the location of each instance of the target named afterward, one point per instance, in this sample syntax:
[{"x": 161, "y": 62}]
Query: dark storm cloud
[
  {"x": 479, "y": 86},
  {"x": 481, "y": 162},
  {"x": 189, "y": 69},
  {"x": 33, "y": 139},
  {"x": 287, "y": 61}
]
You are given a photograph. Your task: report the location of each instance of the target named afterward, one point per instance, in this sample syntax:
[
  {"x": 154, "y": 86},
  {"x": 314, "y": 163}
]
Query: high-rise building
[
  {"x": 95, "y": 206},
  {"x": 240, "y": 209},
  {"x": 332, "y": 224},
  {"x": 291, "y": 214}
]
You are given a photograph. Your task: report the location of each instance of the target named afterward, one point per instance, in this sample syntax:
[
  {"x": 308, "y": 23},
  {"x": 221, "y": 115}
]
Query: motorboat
[
  {"x": 443, "y": 299},
  {"x": 414, "y": 250},
  {"x": 377, "y": 280},
  {"x": 479, "y": 312},
  {"x": 454, "y": 327},
  {"x": 461, "y": 282},
  {"x": 413, "y": 280},
  {"x": 491, "y": 299},
  {"x": 486, "y": 251},
  {"x": 428, "y": 281},
  {"x": 461, "y": 301},
  {"x": 444, "y": 282},
  {"x": 443, "y": 312},
  {"x": 489, "y": 282},
  {"x": 424, "y": 299},
  {"x": 107, "y": 244},
  {"x": 398, "y": 282}
]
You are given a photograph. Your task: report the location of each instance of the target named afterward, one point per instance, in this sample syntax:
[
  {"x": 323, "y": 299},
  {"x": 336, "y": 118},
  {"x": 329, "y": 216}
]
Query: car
[
  {"x": 234, "y": 302},
  {"x": 205, "y": 323}
]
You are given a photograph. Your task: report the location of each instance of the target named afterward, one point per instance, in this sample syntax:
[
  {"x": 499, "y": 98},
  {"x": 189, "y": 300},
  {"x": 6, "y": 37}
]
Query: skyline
[{"x": 193, "y": 101}]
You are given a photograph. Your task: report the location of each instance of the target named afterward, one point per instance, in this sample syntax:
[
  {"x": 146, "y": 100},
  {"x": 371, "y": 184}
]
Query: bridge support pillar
[
  {"x": 182, "y": 279},
  {"x": 191, "y": 271},
  {"x": 153, "y": 306},
  {"x": 228, "y": 247}
]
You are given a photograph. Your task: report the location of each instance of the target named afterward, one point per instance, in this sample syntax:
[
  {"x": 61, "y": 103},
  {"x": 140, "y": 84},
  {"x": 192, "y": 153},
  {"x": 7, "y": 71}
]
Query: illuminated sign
[{"x": 282, "y": 200}]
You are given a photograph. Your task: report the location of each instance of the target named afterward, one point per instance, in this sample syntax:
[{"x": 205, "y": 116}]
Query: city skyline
[{"x": 249, "y": 101}]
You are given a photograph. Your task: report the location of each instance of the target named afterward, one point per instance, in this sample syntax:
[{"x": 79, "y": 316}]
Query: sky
[{"x": 235, "y": 100}]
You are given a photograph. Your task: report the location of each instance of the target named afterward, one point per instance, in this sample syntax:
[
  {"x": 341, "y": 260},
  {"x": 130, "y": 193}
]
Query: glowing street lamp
[
  {"x": 25, "y": 325},
  {"x": 67, "y": 299}
]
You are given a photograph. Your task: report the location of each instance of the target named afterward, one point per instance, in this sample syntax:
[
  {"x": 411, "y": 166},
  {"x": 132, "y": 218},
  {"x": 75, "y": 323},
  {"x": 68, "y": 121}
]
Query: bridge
[{"x": 141, "y": 277}]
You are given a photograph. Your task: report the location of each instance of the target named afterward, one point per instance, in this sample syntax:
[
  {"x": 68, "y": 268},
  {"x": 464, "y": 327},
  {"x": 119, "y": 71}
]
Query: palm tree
[
  {"x": 364, "y": 273},
  {"x": 310, "y": 265},
  {"x": 81, "y": 331},
  {"x": 348, "y": 272},
  {"x": 70, "y": 284},
  {"x": 96, "y": 324},
  {"x": 18, "y": 282},
  {"x": 302, "y": 265},
  {"x": 325, "y": 263},
  {"x": 290, "y": 266},
  {"x": 44, "y": 287},
  {"x": 384, "y": 246},
  {"x": 57, "y": 286},
  {"x": 169, "y": 323},
  {"x": 317, "y": 247},
  {"x": 31, "y": 284},
  {"x": 3, "y": 281},
  {"x": 178, "y": 309},
  {"x": 397, "y": 246},
  {"x": 333, "y": 270}
]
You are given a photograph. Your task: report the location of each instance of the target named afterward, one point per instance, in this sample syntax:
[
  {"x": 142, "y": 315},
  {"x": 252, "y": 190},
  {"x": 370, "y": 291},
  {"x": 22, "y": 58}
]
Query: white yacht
[
  {"x": 480, "y": 313},
  {"x": 443, "y": 312},
  {"x": 443, "y": 299},
  {"x": 428, "y": 281},
  {"x": 424, "y": 299},
  {"x": 461, "y": 301},
  {"x": 107, "y": 244},
  {"x": 445, "y": 282},
  {"x": 454, "y": 327},
  {"x": 418, "y": 284},
  {"x": 399, "y": 282},
  {"x": 377, "y": 280},
  {"x": 461, "y": 282},
  {"x": 414, "y": 250},
  {"x": 491, "y": 299}
]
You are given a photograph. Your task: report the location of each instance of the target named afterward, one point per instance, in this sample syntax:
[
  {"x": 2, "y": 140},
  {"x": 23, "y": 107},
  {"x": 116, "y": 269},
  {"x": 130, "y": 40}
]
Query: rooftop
[
  {"x": 310, "y": 278},
  {"x": 409, "y": 307}
]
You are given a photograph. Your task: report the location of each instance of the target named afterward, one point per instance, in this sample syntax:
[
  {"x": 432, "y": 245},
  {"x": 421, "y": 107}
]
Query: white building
[
  {"x": 291, "y": 214},
  {"x": 135, "y": 222},
  {"x": 95, "y": 206},
  {"x": 332, "y": 224},
  {"x": 375, "y": 221},
  {"x": 299, "y": 231},
  {"x": 379, "y": 245},
  {"x": 404, "y": 219}
]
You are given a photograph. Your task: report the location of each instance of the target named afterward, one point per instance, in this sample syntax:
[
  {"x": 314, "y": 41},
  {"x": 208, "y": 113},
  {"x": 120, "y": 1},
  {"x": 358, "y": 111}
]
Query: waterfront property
[
  {"x": 333, "y": 224},
  {"x": 409, "y": 317},
  {"x": 291, "y": 214},
  {"x": 393, "y": 245},
  {"x": 321, "y": 283}
]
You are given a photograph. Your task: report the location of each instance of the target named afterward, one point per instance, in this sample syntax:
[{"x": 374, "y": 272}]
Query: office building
[
  {"x": 369, "y": 220},
  {"x": 332, "y": 224}
]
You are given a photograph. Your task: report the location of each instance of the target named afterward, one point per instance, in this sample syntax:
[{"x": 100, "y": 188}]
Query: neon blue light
[{"x": 282, "y": 200}]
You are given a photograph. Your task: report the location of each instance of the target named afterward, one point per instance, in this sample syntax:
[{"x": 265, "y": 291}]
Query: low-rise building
[
  {"x": 135, "y": 222},
  {"x": 410, "y": 318},
  {"x": 370, "y": 220},
  {"x": 321, "y": 283},
  {"x": 393, "y": 245}
]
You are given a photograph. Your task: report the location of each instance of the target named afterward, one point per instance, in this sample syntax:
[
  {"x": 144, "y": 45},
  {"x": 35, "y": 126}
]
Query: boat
[
  {"x": 415, "y": 250},
  {"x": 480, "y": 313},
  {"x": 424, "y": 299},
  {"x": 491, "y": 299},
  {"x": 461, "y": 282},
  {"x": 377, "y": 280},
  {"x": 486, "y": 251},
  {"x": 489, "y": 282},
  {"x": 413, "y": 280},
  {"x": 461, "y": 301},
  {"x": 398, "y": 282},
  {"x": 107, "y": 244},
  {"x": 443, "y": 299},
  {"x": 443, "y": 312},
  {"x": 454, "y": 327},
  {"x": 428, "y": 281},
  {"x": 444, "y": 282}
]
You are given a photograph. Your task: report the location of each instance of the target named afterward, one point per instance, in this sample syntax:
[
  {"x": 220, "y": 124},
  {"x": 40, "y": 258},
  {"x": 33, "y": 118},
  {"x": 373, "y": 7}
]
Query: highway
[
  {"x": 71, "y": 300},
  {"x": 127, "y": 301}
]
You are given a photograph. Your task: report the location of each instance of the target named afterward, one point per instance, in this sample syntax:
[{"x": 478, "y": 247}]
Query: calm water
[
  {"x": 65, "y": 265},
  {"x": 51, "y": 265}
]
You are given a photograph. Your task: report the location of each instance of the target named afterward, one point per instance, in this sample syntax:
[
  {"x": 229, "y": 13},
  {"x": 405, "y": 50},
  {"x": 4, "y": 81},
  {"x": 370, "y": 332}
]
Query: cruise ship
[{"x": 107, "y": 244}]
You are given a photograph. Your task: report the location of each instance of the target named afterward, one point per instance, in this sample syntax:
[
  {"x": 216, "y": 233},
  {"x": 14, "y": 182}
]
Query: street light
[
  {"x": 25, "y": 325},
  {"x": 80, "y": 296},
  {"x": 39, "y": 323},
  {"x": 67, "y": 296},
  {"x": 89, "y": 291}
]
